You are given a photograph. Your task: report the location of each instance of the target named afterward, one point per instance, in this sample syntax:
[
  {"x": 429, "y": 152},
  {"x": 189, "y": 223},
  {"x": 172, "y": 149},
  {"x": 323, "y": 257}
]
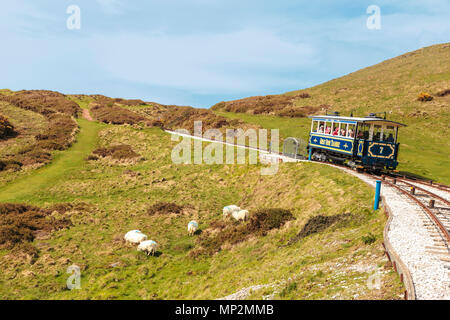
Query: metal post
[
  {"x": 376, "y": 204},
  {"x": 310, "y": 154}
]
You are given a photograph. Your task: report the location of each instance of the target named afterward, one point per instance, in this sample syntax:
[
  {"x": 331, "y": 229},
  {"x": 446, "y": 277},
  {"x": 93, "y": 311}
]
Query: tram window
[
  {"x": 363, "y": 131},
  {"x": 389, "y": 134},
  {"x": 350, "y": 131},
  {"x": 320, "y": 126},
  {"x": 343, "y": 129},
  {"x": 328, "y": 126},
  {"x": 377, "y": 133},
  {"x": 336, "y": 128}
]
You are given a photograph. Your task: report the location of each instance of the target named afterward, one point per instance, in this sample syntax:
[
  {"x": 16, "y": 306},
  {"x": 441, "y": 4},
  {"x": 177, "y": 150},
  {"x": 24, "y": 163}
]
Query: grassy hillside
[
  {"x": 392, "y": 86},
  {"x": 307, "y": 257}
]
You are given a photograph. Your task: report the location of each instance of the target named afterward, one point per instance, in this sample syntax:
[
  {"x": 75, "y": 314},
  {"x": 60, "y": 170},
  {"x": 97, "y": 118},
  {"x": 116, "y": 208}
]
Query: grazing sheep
[
  {"x": 230, "y": 209},
  {"x": 192, "y": 227},
  {"x": 148, "y": 246},
  {"x": 240, "y": 215},
  {"x": 135, "y": 237}
]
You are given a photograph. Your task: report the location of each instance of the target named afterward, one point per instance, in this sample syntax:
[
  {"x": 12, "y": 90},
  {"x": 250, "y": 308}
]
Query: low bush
[
  {"x": 43, "y": 102},
  {"x": 20, "y": 224},
  {"x": 369, "y": 238},
  {"x": 164, "y": 208},
  {"x": 176, "y": 117},
  {"x": 118, "y": 152},
  {"x": 110, "y": 113},
  {"x": 443, "y": 93},
  {"x": 304, "y": 95},
  {"x": 318, "y": 224},
  {"x": 59, "y": 134},
  {"x": 6, "y": 128},
  {"x": 232, "y": 232},
  {"x": 13, "y": 165},
  {"x": 280, "y": 105}
]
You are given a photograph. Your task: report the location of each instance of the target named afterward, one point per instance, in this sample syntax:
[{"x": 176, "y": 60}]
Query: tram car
[{"x": 364, "y": 143}]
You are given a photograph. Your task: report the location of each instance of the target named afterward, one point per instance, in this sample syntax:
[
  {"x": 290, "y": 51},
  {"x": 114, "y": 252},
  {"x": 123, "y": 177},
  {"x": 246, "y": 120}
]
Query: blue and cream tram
[{"x": 369, "y": 142}]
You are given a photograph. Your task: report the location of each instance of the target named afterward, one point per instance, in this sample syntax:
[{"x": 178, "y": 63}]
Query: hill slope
[
  {"x": 86, "y": 200},
  {"x": 392, "y": 86}
]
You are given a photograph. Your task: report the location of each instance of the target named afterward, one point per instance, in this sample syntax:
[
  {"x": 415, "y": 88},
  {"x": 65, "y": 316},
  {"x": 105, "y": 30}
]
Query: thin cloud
[
  {"x": 113, "y": 7},
  {"x": 202, "y": 62}
]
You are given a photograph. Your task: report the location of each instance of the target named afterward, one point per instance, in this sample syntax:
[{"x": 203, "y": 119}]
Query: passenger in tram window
[
  {"x": 336, "y": 132},
  {"x": 351, "y": 134},
  {"x": 320, "y": 129},
  {"x": 390, "y": 138},
  {"x": 376, "y": 137},
  {"x": 343, "y": 132},
  {"x": 328, "y": 130}
]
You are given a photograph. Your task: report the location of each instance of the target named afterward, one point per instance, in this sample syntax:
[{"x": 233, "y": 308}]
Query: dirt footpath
[{"x": 87, "y": 115}]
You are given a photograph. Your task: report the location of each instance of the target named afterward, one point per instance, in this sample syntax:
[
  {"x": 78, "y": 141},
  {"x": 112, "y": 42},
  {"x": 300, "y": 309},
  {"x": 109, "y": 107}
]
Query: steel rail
[
  {"x": 431, "y": 194},
  {"x": 430, "y": 183},
  {"x": 433, "y": 217}
]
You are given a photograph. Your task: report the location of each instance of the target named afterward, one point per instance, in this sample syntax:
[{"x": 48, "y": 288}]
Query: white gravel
[{"x": 410, "y": 238}]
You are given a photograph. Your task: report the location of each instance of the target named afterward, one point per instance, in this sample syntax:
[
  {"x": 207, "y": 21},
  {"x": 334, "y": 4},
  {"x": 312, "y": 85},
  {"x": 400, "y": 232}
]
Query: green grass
[
  {"x": 64, "y": 164},
  {"x": 82, "y": 101},
  {"x": 118, "y": 203}
]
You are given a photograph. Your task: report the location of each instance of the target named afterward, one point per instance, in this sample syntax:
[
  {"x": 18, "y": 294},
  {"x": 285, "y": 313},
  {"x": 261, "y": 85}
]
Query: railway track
[
  {"x": 436, "y": 208},
  {"x": 430, "y": 183}
]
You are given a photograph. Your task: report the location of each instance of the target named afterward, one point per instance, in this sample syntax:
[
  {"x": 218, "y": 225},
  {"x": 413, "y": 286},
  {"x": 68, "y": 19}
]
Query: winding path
[{"x": 64, "y": 163}]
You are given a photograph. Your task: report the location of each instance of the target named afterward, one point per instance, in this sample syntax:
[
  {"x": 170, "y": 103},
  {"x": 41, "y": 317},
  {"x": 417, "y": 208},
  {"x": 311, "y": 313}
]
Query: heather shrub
[
  {"x": 304, "y": 95},
  {"x": 20, "y": 224},
  {"x": 443, "y": 93},
  {"x": 6, "y": 128},
  {"x": 110, "y": 113},
  {"x": 118, "y": 152},
  {"x": 280, "y": 105},
  {"x": 164, "y": 208},
  {"x": 318, "y": 224},
  {"x": 43, "y": 102},
  {"x": 231, "y": 232}
]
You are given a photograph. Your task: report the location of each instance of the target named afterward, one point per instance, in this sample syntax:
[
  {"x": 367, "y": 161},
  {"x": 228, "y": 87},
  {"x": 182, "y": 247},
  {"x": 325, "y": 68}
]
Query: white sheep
[
  {"x": 148, "y": 246},
  {"x": 135, "y": 237},
  {"x": 192, "y": 227},
  {"x": 230, "y": 209},
  {"x": 240, "y": 215}
]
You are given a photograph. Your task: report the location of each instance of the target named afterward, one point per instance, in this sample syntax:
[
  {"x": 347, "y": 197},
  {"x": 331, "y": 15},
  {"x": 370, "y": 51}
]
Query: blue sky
[{"x": 199, "y": 52}]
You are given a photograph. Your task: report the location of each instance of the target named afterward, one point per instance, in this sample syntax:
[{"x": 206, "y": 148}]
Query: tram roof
[{"x": 358, "y": 120}]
